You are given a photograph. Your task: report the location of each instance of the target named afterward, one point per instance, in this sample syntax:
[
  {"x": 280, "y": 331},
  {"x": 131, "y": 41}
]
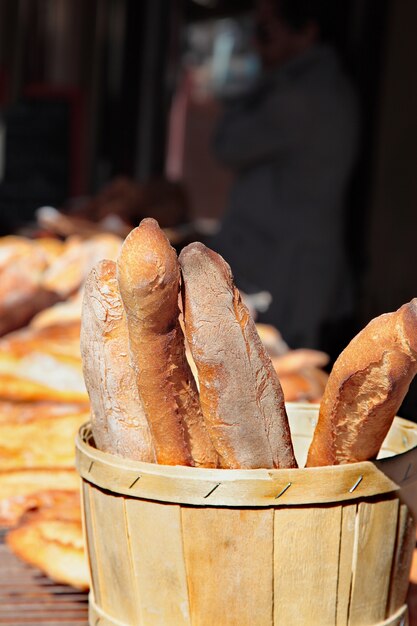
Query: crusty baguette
[
  {"x": 149, "y": 280},
  {"x": 365, "y": 389},
  {"x": 240, "y": 394},
  {"x": 119, "y": 422}
]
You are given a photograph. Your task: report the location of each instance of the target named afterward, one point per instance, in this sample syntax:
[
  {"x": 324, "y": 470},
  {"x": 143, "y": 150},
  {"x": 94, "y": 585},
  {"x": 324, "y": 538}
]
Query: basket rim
[{"x": 247, "y": 487}]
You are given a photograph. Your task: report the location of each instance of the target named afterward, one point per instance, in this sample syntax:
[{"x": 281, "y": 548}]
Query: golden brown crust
[
  {"x": 56, "y": 547},
  {"x": 62, "y": 340},
  {"x": 69, "y": 271},
  {"x": 118, "y": 419},
  {"x": 60, "y": 314},
  {"x": 240, "y": 394},
  {"x": 365, "y": 389},
  {"x": 295, "y": 361},
  {"x": 18, "y": 487},
  {"x": 42, "y": 364},
  {"x": 22, "y": 295},
  {"x": 39, "y": 435},
  {"x": 17, "y": 389},
  {"x": 148, "y": 275}
]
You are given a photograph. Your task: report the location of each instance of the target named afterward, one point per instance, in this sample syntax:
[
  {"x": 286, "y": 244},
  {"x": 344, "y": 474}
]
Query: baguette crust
[
  {"x": 365, "y": 389},
  {"x": 149, "y": 280},
  {"x": 119, "y": 423},
  {"x": 240, "y": 394}
]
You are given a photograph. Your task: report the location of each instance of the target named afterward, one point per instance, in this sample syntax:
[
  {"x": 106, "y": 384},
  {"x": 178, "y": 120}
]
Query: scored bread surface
[
  {"x": 240, "y": 394},
  {"x": 149, "y": 281},
  {"x": 119, "y": 422},
  {"x": 365, "y": 389}
]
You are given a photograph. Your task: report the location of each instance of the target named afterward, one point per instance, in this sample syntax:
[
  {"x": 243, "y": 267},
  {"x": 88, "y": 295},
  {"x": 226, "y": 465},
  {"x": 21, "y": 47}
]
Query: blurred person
[{"x": 291, "y": 143}]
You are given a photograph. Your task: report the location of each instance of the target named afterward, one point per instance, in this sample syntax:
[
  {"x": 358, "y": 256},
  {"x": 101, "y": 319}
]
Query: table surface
[{"x": 27, "y": 598}]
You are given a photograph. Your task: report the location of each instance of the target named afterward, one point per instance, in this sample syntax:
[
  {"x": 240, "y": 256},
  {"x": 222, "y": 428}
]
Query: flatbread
[
  {"x": 39, "y": 435},
  {"x": 56, "y": 547}
]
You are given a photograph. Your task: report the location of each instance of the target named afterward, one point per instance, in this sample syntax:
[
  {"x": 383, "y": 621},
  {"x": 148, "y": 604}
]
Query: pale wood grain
[
  {"x": 375, "y": 533},
  {"x": 89, "y": 539},
  {"x": 155, "y": 539},
  {"x": 402, "y": 560},
  {"x": 306, "y": 557},
  {"x": 303, "y": 419},
  {"x": 400, "y": 618},
  {"x": 253, "y": 487},
  {"x": 347, "y": 540},
  {"x": 191, "y": 485},
  {"x": 113, "y": 558},
  {"x": 228, "y": 555},
  {"x": 98, "y": 618}
]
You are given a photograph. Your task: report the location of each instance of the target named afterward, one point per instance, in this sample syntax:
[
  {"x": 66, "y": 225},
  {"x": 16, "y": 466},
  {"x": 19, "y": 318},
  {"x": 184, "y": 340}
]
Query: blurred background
[
  {"x": 109, "y": 108},
  {"x": 281, "y": 133}
]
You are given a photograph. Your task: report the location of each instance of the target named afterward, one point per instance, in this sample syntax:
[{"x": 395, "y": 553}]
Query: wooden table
[{"x": 27, "y": 598}]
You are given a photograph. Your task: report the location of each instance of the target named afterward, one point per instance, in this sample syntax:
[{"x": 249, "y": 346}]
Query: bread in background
[
  {"x": 27, "y": 488},
  {"x": 54, "y": 546},
  {"x": 39, "y": 434}
]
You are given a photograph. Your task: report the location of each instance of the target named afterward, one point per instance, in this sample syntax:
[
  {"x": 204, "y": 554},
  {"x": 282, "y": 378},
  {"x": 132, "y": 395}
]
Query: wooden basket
[{"x": 181, "y": 546}]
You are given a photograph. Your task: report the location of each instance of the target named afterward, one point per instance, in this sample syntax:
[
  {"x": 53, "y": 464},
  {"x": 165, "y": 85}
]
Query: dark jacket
[{"x": 292, "y": 143}]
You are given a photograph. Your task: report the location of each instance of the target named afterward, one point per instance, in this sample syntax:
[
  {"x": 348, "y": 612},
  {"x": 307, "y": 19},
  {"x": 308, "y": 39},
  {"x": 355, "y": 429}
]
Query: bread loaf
[
  {"x": 240, "y": 394},
  {"x": 54, "y": 546},
  {"x": 119, "y": 423},
  {"x": 365, "y": 389},
  {"x": 148, "y": 274}
]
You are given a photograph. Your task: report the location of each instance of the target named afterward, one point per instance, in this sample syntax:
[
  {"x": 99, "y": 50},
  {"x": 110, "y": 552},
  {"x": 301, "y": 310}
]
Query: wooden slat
[
  {"x": 89, "y": 538},
  {"x": 158, "y": 562},
  {"x": 344, "y": 583},
  {"x": 228, "y": 555},
  {"x": 113, "y": 559},
  {"x": 402, "y": 560},
  {"x": 306, "y": 557},
  {"x": 372, "y": 561}
]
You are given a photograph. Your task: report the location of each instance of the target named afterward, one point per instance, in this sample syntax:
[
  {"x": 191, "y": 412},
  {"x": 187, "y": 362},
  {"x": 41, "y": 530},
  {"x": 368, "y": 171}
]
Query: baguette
[
  {"x": 365, "y": 389},
  {"x": 119, "y": 423},
  {"x": 149, "y": 280},
  {"x": 240, "y": 394}
]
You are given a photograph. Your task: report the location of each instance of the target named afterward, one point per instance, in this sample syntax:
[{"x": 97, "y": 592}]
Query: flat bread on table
[
  {"x": 42, "y": 365},
  {"x": 39, "y": 434},
  {"x": 56, "y": 547},
  {"x": 22, "y": 294},
  {"x": 68, "y": 273},
  {"x": 28, "y": 488}
]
